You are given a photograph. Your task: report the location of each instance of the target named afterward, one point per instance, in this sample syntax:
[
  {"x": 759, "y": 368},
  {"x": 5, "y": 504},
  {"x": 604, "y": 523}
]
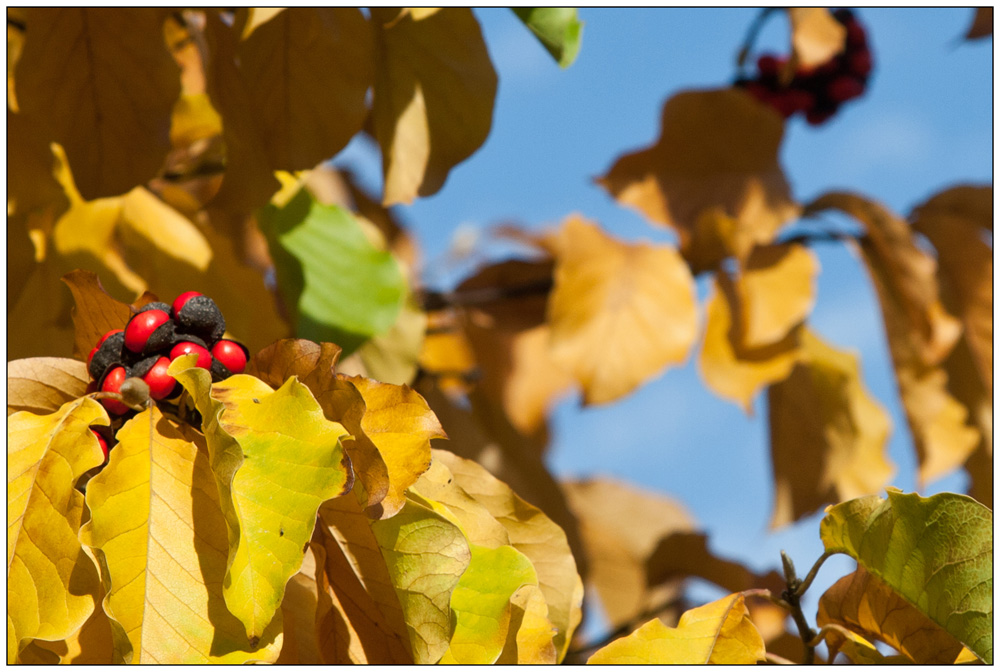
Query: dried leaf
[
  {"x": 816, "y": 36},
  {"x": 118, "y": 83},
  {"x": 829, "y": 436},
  {"x": 719, "y": 633},
  {"x": 96, "y": 312},
  {"x": 935, "y": 552},
  {"x": 982, "y": 24},
  {"x": 717, "y": 149},
  {"x": 434, "y": 91},
  {"x": 861, "y": 602},
  {"x": 633, "y": 303},
  {"x": 43, "y": 384}
]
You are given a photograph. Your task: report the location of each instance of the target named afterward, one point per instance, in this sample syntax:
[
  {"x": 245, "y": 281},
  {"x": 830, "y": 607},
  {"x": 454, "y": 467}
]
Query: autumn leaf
[
  {"x": 111, "y": 112},
  {"x": 862, "y": 602},
  {"x": 634, "y": 303},
  {"x": 158, "y": 527},
  {"x": 307, "y": 70},
  {"x": 829, "y": 436},
  {"x": 982, "y": 24},
  {"x": 717, "y": 149},
  {"x": 51, "y": 582},
  {"x": 935, "y": 552},
  {"x": 299, "y": 608},
  {"x": 816, "y": 36},
  {"x": 434, "y": 92},
  {"x": 44, "y": 384},
  {"x": 31, "y": 182},
  {"x": 719, "y": 633},
  {"x": 777, "y": 287},
  {"x": 557, "y": 28}
]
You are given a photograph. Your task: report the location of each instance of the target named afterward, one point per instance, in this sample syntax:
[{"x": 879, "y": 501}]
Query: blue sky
[{"x": 924, "y": 124}]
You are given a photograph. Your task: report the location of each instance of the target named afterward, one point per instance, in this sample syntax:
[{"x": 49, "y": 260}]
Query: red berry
[
  {"x": 113, "y": 383},
  {"x": 860, "y": 62},
  {"x": 801, "y": 101},
  {"x": 759, "y": 91},
  {"x": 105, "y": 336},
  {"x": 161, "y": 384},
  {"x": 181, "y": 300},
  {"x": 231, "y": 354},
  {"x": 855, "y": 34},
  {"x": 769, "y": 65},
  {"x": 784, "y": 103},
  {"x": 844, "y": 88},
  {"x": 185, "y": 347},
  {"x": 817, "y": 117},
  {"x": 103, "y": 444},
  {"x": 141, "y": 326}
]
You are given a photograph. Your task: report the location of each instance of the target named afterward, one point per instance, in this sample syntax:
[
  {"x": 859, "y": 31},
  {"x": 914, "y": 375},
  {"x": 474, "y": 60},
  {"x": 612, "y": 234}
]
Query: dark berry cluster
[
  {"x": 155, "y": 336},
  {"x": 820, "y": 91}
]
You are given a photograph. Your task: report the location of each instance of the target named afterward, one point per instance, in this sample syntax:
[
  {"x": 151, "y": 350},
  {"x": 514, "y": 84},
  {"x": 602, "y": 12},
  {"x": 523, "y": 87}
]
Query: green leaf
[
  {"x": 557, "y": 28},
  {"x": 936, "y": 552},
  {"x": 426, "y": 555},
  {"x": 339, "y": 286},
  {"x": 481, "y": 603},
  {"x": 277, "y": 459}
]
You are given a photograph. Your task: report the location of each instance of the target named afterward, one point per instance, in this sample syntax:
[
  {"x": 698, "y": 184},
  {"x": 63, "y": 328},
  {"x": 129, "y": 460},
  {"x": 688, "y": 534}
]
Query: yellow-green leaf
[
  {"x": 278, "y": 458},
  {"x": 861, "y": 602},
  {"x": 481, "y": 603},
  {"x": 434, "y": 92},
  {"x": 158, "y": 527},
  {"x": 43, "y": 384},
  {"x": 51, "y": 582},
  {"x": 529, "y": 637},
  {"x": 426, "y": 556},
  {"x": 117, "y": 87},
  {"x": 719, "y": 633},
  {"x": 936, "y": 552},
  {"x": 633, "y": 302}
]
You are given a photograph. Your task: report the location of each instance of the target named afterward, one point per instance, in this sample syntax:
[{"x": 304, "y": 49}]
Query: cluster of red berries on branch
[
  {"x": 817, "y": 92},
  {"x": 155, "y": 336}
]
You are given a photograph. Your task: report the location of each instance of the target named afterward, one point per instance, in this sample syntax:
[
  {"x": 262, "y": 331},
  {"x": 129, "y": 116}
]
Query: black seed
[
  {"x": 155, "y": 305},
  {"x": 200, "y": 316},
  {"x": 142, "y": 367},
  {"x": 162, "y": 338},
  {"x": 109, "y": 354},
  {"x": 219, "y": 371}
]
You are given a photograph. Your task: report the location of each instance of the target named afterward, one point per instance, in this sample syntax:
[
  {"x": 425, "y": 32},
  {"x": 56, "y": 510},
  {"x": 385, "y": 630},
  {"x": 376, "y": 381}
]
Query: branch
[
  {"x": 751, "y": 35},
  {"x": 791, "y": 595}
]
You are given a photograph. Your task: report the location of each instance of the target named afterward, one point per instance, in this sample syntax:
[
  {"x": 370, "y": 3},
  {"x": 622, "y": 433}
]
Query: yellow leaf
[
  {"x": 401, "y": 425},
  {"x": 816, "y": 36},
  {"x": 730, "y": 370},
  {"x": 90, "y": 645},
  {"x": 157, "y": 524},
  {"x": 299, "y": 609},
  {"x": 778, "y": 290},
  {"x": 51, "y": 582},
  {"x": 256, "y": 17},
  {"x": 529, "y": 637},
  {"x": 43, "y": 384},
  {"x": 829, "y": 437},
  {"x": 862, "y": 602},
  {"x": 434, "y": 92},
  {"x": 717, "y": 149},
  {"x": 117, "y": 87},
  {"x": 307, "y": 70},
  {"x": 619, "y": 313},
  {"x": 440, "y": 485},
  {"x": 719, "y": 633},
  {"x": 163, "y": 230},
  {"x": 194, "y": 119}
]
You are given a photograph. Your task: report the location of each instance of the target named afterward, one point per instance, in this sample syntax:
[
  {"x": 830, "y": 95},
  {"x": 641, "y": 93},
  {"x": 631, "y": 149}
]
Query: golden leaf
[
  {"x": 816, "y": 36},
  {"x": 43, "y": 384},
  {"x": 778, "y": 290},
  {"x": 619, "y": 313},
  {"x": 717, "y": 149}
]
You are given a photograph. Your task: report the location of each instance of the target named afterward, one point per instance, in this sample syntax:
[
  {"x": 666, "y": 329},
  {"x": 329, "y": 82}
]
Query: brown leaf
[
  {"x": 717, "y": 149},
  {"x": 96, "y": 312},
  {"x": 621, "y": 526},
  {"x": 862, "y": 603},
  {"x": 828, "y": 435},
  {"x": 43, "y": 384},
  {"x": 314, "y": 364},
  {"x": 434, "y": 91},
  {"x": 982, "y": 24},
  {"x": 307, "y": 100},
  {"x": 816, "y": 36},
  {"x": 619, "y": 313},
  {"x": 117, "y": 87},
  {"x": 729, "y": 369},
  {"x": 31, "y": 182}
]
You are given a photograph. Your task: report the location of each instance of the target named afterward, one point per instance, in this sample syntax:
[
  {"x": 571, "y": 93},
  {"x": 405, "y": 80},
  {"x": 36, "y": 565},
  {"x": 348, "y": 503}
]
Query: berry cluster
[
  {"x": 818, "y": 92},
  {"x": 155, "y": 336}
]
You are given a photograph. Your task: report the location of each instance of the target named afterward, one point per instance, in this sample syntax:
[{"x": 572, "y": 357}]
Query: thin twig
[
  {"x": 751, "y": 35},
  {"x": 791, "y": 595},
  {"x": 806, "y": 582}
]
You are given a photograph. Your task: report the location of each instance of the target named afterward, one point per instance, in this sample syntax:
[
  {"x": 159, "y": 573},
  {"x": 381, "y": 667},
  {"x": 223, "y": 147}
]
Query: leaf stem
[{"x": 806, "y": 582}]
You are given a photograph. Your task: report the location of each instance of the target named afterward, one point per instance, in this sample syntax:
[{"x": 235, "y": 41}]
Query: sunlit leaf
[
  {"x": 157, "y": 524},
  {"x": 51, "y": 582},
  {"x": 634, "y": 303},
  {"x": 717, "y": 149},
  {"x": 935, "y": 552},
  {"x": 557, "y": 28},
  {"x": 829, "y": 436},
  {"x": 341, "y": 288},
  {"x": 307, "y": 70},
  {"x": 862, "y": 602},
  {"x": 434, "y": 91},
  {"x": 256, "y": 17},
  {"x": 118, "y": 83},
  {"x": 719, "y": 633},
  {"x": 90, "y": 645},
  {"x": 43, "y": 384},
  {"x": 982, "y": 24},
  {"x": 163, "y": 230},
  {"x": 426, "y": 556},
  {"x": 529, "y": 637},
  {"x": 778, "y": 290},
  {"x": 816, "y": 36},
  {"x": 277, "y": 458}
]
